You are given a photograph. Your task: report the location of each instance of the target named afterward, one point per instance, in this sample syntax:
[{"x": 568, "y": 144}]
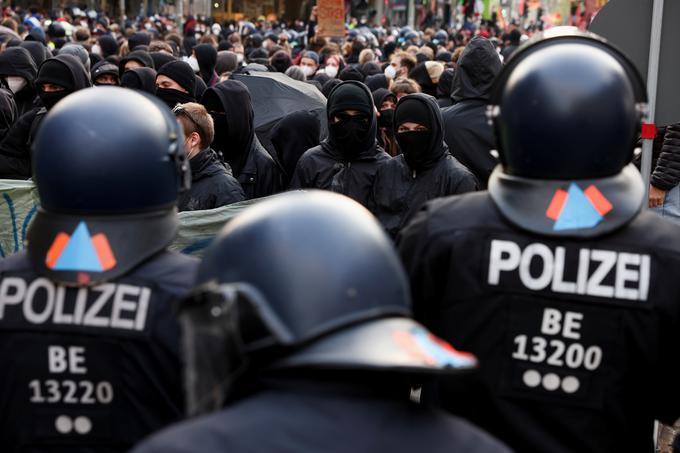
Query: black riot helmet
[
  {"x": 566, "y": 110},
  {"x": 303, "y": 281},
  {"x": 109, "y": 165},
  {"x": 567, "y": 106}
]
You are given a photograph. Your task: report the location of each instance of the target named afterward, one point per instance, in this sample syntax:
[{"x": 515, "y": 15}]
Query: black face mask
[
  {"x": 173, "y": 97},
  {"x": 386, "y": 119},
  {"x": 350, "y": 134},
  {"x": 49, "y": 99},
  {"x": 414, "y": 146}
]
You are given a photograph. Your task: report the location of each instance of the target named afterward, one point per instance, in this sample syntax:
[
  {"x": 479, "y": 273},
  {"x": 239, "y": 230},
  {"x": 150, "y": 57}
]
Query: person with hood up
[
  {"x": 105, "y": 73},
  {"x": 427, "y": 75},
  {"x": 205, "y": 57},
  {"x": 79, "y": 52},
  {"x": 231, "y": 108},
  {"x": 136, "y": 59},
  {"x": 424, "y": 170},
  {"x": 444, "y": 89},
  {"x": 345, "y": 162},
  {"x": 18, "y": 72},
  {"x": 57, "y": 78},
  {"x": 176, "y": 83},
  {"x": 466, "y": 127},
  {"x": 141, "y": 79},
  {"x": 212, "y": 185},
  {"x": 38, "y": 52},
  {"x": 294, "y": 134},
  {"x": 8, "y": 111},
  {"x": 385, "y": 102}
]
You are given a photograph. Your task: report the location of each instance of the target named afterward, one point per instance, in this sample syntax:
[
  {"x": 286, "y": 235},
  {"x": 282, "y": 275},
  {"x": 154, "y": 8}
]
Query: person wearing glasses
[
  {"x": 212, "y": 184},
  {"x": 345, "y": 162}
]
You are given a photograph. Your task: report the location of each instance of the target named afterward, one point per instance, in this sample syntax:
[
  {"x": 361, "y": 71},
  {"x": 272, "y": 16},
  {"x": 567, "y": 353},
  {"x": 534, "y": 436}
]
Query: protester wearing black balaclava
[
  {"x": 206, "y": 56},
  {"x": 294, "y": 134},
  {"x": 105, "y": 73},
  {"x": 347, "y": 160},
  {"x": 141, "y": 79},
  {"x": 230, "y": 106},
  {"x": 57, "y": 78},
  {"x": 38, "y": 52},
  {"x": 424, "y": 170},
  {"x": 175, "y": 83},
  {"x": 385, "y": 102},
  {"x": 18, "y": 72}
]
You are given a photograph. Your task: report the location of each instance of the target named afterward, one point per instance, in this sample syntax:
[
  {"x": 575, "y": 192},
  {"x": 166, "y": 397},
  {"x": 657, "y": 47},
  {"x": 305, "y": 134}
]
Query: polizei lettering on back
[
  {"x": 540, "y": 267},
  {"x": 41, "y": 301}
]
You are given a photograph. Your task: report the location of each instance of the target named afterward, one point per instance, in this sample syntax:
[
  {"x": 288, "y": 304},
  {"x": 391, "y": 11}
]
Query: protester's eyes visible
[
  {"x": 415, "y": 129},
  {"x": 348, "y": 117}
]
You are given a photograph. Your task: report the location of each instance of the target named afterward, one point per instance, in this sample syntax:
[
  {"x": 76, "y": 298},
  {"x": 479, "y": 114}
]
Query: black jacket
[
  {"x": 212, "y": 184},
  {"x": 326, "y": 167},
  {"x": 666, "y": 163},
  {"x": 96, "y": 378},
  {"x": 294, "y": 134},
  {"x": 8, "y": 111},
  {"x": 593, "y": 380},
  {"x": 399, "y": 191},
  {"x": 257, "y": 172},
  {"x": 17, "y": 61},
  {"x": 326, "y": 418},
  {"x": 15, "y": 149},
  {"x": 467, "y": 131}
]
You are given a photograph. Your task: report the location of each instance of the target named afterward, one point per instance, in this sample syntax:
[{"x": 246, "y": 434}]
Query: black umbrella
[{"x": 275, "y": 95}]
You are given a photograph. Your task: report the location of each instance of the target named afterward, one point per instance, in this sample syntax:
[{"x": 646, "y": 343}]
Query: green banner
[{"x": 19, "y": 203}]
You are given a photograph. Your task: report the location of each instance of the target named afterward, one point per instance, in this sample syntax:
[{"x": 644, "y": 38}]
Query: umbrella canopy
[{"x": 275, "y": 95}]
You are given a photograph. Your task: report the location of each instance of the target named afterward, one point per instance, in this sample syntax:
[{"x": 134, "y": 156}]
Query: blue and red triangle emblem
[
  {"x": 80, "y": 252},
  {"x": 577, "y": 209}
]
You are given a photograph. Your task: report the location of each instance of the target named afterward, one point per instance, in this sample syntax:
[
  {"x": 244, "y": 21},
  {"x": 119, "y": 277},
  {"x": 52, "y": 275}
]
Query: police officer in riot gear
[
  {"x": 555, "y": 279},
  {"x": 315, "y": 356},
  {"x": 90, "y": 345}
]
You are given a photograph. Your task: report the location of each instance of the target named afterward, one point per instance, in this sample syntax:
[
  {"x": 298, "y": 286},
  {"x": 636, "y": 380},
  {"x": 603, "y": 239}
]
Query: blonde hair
[{"x": 195, "y": 118}]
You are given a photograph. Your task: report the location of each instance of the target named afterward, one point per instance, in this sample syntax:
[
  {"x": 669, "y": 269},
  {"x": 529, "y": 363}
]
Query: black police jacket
[
  {"x": 576, "y": 338},
  {"x": 212, "y": 184},
  {"x": 322, "y": 167},
  {"x": 89, "y": 368},
  {"x": 399, "y": 192},
  {"x": 318, "y": 417}
]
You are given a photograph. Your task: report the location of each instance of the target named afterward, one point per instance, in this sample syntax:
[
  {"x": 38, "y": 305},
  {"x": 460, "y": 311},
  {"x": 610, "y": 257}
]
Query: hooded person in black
[
  {"x": 57, "y": 78},
  {"x": 140, "y": 57},
  {"x": 231, "y": 108},
  {"x": 160, "y": 58},
  {"x": 444, "y": 89},
  {"x": 420, "y": 75},
  {"x": 345, "y": 162},
  {"x": 176, "y": 83},
  {"x": 466, "y": 127},
  {"x": 18, "y": 72},
  {"x": 424, "y": 170},
  {"x": 8, "y": 111},
  {"x": 206, "y": 55},
  {"x": 142, "y": 79},
  {"x": 385, "y": 102},
  {"x": 294, "y": 134},
  {"x": 38, "y": 52}
]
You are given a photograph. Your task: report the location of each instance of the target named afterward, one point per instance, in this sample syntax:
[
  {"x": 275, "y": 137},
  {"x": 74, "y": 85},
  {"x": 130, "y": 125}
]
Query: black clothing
[
  {"x": 294, "y": 134},
  {"x": 142, "y": 79},
  {"x": 345, "y": 162},
  {"x": 444, "y": 89},
  {"x": 206, "y": 55},
  {"x": 15, "y": 157},
  {"x": 376, "y": 81},
  {"x": 180, "y": 72},
  {"x": 666, "y": 164},
  {"x": 212, "y": 184},
  {"x": 8, "y": 111},
  {"x": 420, "y": 75},
  {"x": 138, "y": 39},
  {"x": 17, "y": 61},
  {"x": 99, "y": 369},
  {"x": 231, "y": 108},
  {"x": 467, "y": 131},
  {"x": 508, "y": 51},
  {"x": 140, "y": 56},
  {"x": 314, "y": 419},
  {"x": 160, "y": 58},
  {"x": 38, "y": 52},
  {"x": 403, "y": 184},
  {"x": 574, "y": 353},
  {"x": 109, "y": 45}
]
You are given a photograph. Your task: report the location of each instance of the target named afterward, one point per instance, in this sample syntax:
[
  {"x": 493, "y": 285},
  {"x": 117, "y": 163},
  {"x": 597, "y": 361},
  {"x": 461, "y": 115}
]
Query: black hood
[
  {"x": 160, "y": 58},
  {"x": 478, "y": 67},
  {"x": 140, "y": 56},
  {"x": 420, "y": 75},
  {"x": 292, "y": 136},
  {"x": 232, "y": 97},
  {"x": 8, "y": 110},
  {"x": 74, "y": 78},
  {"x": 363, "y": 102},
  {"x": 38, "y": 52},
  {"x": 17, "y": 61},
  {"x": 143, "y": 79},
  {"x": 206, "y": 55},
  {"x": 437, "y": 147},
  {"x": 445, "y": 84}
]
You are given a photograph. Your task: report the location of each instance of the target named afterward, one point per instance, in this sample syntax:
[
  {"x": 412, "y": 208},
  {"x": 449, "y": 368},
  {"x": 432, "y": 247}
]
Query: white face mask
[
  {"x": 308, "y": 71},
  {"x": 193, "y": 62},
  {"x": 96, "y": 49},
  {"x": 239, "y": 58},
  {"x": 390, "y": 72},
  {"x": 15, "y": 83},
  {"x": 331, "y": 71}
]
